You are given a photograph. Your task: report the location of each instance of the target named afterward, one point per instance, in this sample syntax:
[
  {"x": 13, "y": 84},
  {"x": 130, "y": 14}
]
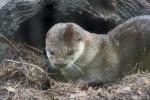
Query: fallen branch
[
  {"x": 28, "y": 64},
  {"x": 11, "y": 44},
  {"x": 33, "y": 48}
]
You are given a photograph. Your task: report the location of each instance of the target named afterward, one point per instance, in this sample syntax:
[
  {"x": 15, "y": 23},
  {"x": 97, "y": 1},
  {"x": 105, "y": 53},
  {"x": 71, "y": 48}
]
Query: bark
[
  {"x": 14, "y": 12},
  {"x": 4, "y": 48},
  {"x": 115, "y": 10}
]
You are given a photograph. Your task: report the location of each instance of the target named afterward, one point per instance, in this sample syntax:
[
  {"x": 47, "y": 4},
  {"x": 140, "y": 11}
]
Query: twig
[
  {"x": 11, "y": 44},
  {"x": 33, "y": 48},
  {"x": 25, "y": 70},
  {"x": 28, "y": 64}
]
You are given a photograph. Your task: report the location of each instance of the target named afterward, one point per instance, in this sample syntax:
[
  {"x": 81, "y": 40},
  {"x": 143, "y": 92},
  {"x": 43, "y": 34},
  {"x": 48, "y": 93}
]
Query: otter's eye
[
  {"x": 70, "y": 52},
  {"x": 51, "y": 52}
]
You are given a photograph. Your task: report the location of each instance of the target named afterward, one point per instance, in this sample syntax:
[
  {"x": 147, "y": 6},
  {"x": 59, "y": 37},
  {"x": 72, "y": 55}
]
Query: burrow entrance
[{"x": 33, "y": 30}]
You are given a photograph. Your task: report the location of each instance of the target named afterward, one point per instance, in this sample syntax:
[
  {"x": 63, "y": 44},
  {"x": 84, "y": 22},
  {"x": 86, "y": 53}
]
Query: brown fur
[{"x": 103, "y": 57}]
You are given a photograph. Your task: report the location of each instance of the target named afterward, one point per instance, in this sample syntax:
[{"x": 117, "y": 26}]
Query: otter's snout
[{"x": 60, "y": 63}]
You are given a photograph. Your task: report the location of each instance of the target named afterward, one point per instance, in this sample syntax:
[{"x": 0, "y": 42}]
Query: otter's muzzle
[{"x": 60, "y": 63}]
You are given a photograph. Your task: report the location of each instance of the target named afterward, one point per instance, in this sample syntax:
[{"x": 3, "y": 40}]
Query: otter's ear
[{"x": 70, "y": 33}]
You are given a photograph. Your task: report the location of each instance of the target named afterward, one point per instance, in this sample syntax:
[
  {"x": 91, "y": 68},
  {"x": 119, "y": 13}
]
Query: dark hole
[{"x": 34, "y": 29}]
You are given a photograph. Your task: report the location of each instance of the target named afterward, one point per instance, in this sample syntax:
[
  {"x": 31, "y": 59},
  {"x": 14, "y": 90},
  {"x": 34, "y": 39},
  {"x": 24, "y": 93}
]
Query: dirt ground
[{"x": 24, "y": 76}]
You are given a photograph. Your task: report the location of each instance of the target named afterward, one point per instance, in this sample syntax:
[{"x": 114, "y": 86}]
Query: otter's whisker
[
  {"x": 81, "y": 72},
  {"x": 71, "y": 70}
]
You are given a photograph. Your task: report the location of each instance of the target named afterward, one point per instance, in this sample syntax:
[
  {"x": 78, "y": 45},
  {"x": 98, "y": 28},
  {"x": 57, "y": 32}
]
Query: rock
[
  {"x": 3, "y": 50},
  {"x": 14, "y": 12},
  {"x": 4, "y": 47}
]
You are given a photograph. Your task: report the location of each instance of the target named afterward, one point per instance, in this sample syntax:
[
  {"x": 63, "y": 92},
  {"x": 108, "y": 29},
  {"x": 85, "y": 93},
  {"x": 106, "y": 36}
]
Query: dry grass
[{"x": 25, "y": 77}]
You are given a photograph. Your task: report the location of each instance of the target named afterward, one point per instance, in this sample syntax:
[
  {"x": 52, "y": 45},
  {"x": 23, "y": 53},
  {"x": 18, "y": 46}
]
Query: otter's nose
[{"x": 60, "y": 63}]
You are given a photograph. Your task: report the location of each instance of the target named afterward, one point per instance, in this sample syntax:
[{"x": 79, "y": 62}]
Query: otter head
[{"x": 64, "y": 44}]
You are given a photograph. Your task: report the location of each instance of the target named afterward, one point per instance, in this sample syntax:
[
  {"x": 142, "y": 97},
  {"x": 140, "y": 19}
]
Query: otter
[{"x": 85, "y": 57}]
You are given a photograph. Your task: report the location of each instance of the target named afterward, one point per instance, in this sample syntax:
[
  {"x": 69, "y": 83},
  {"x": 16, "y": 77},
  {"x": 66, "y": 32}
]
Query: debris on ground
[{"x": 25, "y": 77}]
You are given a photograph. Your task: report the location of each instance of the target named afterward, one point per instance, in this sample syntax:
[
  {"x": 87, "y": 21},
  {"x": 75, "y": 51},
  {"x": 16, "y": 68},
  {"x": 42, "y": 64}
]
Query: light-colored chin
[
  {"x": 48, "y": 54},
  {"x": 78, "y": 53}
]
